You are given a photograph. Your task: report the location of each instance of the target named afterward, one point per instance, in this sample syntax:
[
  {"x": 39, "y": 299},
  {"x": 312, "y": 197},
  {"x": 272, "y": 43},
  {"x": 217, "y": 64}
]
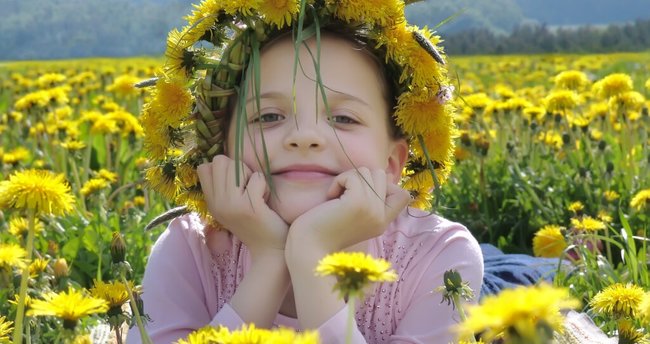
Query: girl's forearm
[
  {"x": 316, "y": 301},
  {"x": 260, "y": 294}
]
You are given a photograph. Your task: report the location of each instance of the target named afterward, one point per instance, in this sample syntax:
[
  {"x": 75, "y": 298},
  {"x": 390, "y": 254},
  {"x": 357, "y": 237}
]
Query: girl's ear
[{"x": 399, "y": 153}]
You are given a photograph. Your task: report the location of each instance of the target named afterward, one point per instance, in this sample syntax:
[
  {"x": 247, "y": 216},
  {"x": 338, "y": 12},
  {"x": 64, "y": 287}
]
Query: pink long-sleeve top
[{"x": 192, "y": 273}]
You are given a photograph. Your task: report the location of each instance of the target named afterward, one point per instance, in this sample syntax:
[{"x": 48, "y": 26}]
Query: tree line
[{"x": 535, "y": 39}]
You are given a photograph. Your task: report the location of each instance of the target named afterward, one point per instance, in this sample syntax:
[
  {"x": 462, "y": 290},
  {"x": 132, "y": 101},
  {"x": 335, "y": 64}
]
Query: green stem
[
  {"x": 77, "y": 180},
  {"x": 20, "y": 312},
  {"x": 351, "y": 306},
  {"x": 144, "y": 337},
  {"x": 461, "y": 312}
]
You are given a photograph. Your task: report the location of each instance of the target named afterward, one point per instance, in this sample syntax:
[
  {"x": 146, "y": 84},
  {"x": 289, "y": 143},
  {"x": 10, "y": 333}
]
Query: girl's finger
[
  {"x": 396, "y": 199},
  {"x": 204, "y": 171}
]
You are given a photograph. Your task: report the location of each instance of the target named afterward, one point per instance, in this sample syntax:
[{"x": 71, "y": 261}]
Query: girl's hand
[
  {"x": 242, "y": 209},
  {"x": 362, "y": 203}
]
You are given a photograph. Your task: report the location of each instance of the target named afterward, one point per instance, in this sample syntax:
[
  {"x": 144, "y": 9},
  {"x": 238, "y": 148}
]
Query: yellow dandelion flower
[
  {"x": 37, "y": 266},
  {"x": 127, "y": 122},
  {"x": 50, "y": 79},
  {"x": 420, "y": 186},
  {"x": 6, "y": 327},
  {"x": 108, "y": 175},
  {"x": 534, "y": 113},
  {"x": 611, "y": 195},
  {"x": 604, "y": 216},
  {"x": 279, "y": 12},
  {"x": 612, "y": 85},
  {"x": 571, "y": 80},
  {"x": 561, "y": 100},
  {"x": 12, "y": 255},
  {"x": 587, "y": 224},
  {"x": 477, "y": 100},
  {"x": 104, "y": 125},
  {"x": 38, "y": 190},
  {"x": 139, "y": 201},
  {"x": 172, "y": 102},
  {"x": 161, "y": 179},
  {"x": 641, "y": 200},
  {"x": 69, "y": 306},
  {"x": 418, "y": 113},
  {"x": 596, "y": 134},
  {"x": 124, "y": 86},
  {"x": 354, "y": 271},
  {"x": 628, "y": 101},
  {"x": 549, "y": 242},
  {"x": 73, "y": 145},
  {"x": 16, "y": 155},
  {"x": 82, "y": 339},
  {"x": 519, "y": 312},
  {"x": 207, "y": 334},
  {"x": 18, "y": 226},
  {"x": 249, "y": 334},
  {"x": 243, "y": 7},
  {"x": 551, "y": 138},
  {"x": 94, "y": 185},
  {"x": 90, "y": 116},
  {"x": 187, "y": 175},
  {"x": 628, "y": 333},
  {"x": 576, "y": 207},
  {"x": 618, "y": 300},
  {"x": 378, "y": 12},
  {"x": 16, "y": 300},
  {"x": 644, "y": 308},
  {"x": 114, "y": 292}
]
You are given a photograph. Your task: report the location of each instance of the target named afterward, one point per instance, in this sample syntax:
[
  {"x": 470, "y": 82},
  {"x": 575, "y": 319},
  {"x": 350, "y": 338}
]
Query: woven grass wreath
[{"x": 219, "y": 50}]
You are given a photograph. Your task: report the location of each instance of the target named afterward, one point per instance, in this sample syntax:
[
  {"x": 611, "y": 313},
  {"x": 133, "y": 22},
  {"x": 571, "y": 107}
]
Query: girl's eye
[
  {"x": 342, "y": 119},
  {"x": 268, "y": 118}
]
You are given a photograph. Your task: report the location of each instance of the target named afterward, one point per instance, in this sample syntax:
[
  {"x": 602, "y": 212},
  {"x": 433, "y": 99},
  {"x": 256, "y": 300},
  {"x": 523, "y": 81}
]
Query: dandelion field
[{"x": 552, "y": 159}]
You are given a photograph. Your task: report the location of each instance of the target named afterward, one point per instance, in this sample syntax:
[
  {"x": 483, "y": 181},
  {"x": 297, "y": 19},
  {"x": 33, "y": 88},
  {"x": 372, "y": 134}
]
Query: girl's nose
[{"x": 306, "y": 134}]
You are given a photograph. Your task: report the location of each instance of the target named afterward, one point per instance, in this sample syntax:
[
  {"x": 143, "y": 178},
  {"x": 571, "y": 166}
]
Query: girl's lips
[{"x": 303, "y": 175}]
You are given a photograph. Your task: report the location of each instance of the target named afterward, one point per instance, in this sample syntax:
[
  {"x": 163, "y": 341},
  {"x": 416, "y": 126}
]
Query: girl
[{"x": 302, "y": 130}]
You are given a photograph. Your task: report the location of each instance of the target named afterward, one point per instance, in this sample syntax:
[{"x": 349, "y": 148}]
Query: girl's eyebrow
[
  {"x": 267, "y": 95},
  {"x": 347, "y": 96},
  {"x": 332, "y": 95}
]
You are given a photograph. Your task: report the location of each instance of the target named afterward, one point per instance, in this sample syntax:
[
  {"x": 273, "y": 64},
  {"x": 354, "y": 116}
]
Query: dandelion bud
[
  {"x": 118, "y": 248},
  {"x": 602, "y": 145},
  {"x": 557, "y": 117},
  {"x": 533, "y": 125},
  {"x": 610, "y": 167},
  {"x": 60, "y": 268}
]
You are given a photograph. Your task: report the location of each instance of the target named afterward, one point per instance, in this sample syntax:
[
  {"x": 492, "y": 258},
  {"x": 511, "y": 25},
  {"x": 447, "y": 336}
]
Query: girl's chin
[{"x": 290, "y": 208}]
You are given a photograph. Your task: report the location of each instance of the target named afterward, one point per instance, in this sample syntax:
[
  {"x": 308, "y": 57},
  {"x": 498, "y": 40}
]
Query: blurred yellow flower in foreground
[
  {"x": 354, "y": 270},
  {"x": 40, "y": 191},
  {"x": 250, "y": 335},
  {"x": 524, "y": 314},
  {"x": 549, "y": 242}
]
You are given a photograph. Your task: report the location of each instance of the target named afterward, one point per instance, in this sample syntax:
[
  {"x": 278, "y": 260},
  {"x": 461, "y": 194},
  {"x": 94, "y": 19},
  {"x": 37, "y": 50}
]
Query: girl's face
[{"x": 306, "y": 149}]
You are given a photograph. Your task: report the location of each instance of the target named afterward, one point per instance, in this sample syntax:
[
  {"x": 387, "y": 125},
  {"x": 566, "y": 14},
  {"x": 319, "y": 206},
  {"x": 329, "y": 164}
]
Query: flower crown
[{"x": 184, "y": 119}]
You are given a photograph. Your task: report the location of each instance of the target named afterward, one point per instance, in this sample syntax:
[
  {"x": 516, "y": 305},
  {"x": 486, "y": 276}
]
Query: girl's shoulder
[
  {"x": 413, "y": 222},
  {"x": 195, "y": 229}
]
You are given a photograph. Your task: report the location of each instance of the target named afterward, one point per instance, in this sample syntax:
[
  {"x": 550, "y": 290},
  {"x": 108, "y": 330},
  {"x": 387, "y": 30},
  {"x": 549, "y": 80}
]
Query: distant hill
[{"x": 49, "y": 29}]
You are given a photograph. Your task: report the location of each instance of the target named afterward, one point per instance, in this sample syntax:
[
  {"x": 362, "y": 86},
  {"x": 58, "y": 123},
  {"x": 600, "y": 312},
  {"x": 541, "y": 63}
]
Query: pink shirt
[{"x": 187, "y": 287}]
